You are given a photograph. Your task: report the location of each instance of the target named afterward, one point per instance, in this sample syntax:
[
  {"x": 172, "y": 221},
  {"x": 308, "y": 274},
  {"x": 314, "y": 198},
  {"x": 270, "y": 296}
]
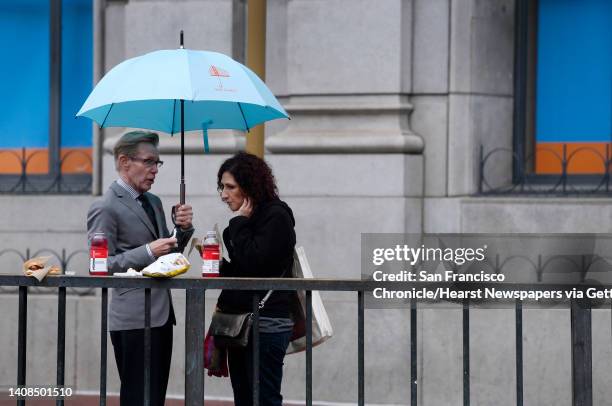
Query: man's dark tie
[{"x": 146, "y": 205}]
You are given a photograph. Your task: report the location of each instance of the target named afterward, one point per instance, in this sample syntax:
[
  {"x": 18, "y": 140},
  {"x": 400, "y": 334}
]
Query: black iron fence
[
  {"x": 194, "y": 328},
  {"x": 522, "y": 179},
  {"x": 25, "y": 180}
]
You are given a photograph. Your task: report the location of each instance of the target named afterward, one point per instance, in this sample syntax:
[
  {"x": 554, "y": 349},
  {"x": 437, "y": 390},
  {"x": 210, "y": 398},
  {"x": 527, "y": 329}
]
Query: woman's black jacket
[{"x": 260, "y": 246}]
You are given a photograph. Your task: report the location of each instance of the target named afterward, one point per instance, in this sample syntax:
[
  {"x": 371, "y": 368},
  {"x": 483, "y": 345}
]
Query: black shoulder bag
[{"x": 233, "y": 330}]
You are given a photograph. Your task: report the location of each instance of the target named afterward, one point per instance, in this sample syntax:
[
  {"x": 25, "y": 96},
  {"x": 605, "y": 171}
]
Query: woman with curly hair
[{"x": 260, "y": 240}]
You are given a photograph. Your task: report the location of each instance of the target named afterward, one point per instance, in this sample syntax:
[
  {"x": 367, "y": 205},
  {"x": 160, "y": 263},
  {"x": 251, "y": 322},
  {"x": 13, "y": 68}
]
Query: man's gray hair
[{"x": 128, "y": 143}]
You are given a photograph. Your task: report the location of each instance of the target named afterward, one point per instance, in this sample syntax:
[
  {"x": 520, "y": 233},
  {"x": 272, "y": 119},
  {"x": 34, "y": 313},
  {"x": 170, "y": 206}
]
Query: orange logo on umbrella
[
  {"x": 216, "y": 71},
  {"x": 219, "y": 73}
]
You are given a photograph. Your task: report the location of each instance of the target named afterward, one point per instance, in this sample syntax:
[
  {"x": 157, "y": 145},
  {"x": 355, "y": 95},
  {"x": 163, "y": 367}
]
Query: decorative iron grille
[
  {"x": 26, "y": 182},
  {"x": 528, "y": 182}
]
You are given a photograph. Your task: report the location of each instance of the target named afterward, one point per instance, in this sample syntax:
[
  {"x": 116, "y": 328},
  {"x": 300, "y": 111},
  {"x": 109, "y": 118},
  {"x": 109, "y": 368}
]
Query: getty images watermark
[{"x": 486, "y": 269}]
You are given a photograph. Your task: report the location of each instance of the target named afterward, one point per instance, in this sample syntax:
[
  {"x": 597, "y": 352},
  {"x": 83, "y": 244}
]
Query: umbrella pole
[{"x": 182, "y": 193}]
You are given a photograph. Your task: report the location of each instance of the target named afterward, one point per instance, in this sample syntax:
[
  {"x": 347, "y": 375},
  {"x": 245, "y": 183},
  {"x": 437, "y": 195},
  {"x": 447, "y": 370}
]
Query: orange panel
[
  {"x": 583, "y": 158},
  {"x": 74, "y": 160}
]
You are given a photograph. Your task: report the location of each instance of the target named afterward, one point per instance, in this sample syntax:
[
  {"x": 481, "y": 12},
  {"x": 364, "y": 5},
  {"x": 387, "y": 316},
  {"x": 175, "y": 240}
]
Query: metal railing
[
  {"x": 526, "y": 182},
  {"x": 26, "y": 182},
  {"x": 195, "y": 327},
  {"x": 65, "y": 260}
]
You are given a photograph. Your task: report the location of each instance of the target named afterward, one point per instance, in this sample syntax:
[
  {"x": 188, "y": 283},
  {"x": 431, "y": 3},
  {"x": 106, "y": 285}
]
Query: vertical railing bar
[
  {"x": 61, "y": 339},
  {"x": 194, "y": 350},
  {"x": 63, "y": 261},
  {"x": 413, "y": 353},
  {"x": 103, "y": 345},
  {"x": 519, "y": 352},
  {"x": 308, "y": 348},
  {"x": 255, "y": 350},
  {"x": 147, "y": 348},
  {"x": 360, "y": 350},
  {"x": 21, "y": 339},
  {"x": 466, "y": 353},
  {"x": 582, "y": 353}
]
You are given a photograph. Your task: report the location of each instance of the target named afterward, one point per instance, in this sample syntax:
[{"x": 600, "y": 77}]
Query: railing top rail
[
  {"x": 274, "y": 283},
  {"x": 190, "y": 283}
]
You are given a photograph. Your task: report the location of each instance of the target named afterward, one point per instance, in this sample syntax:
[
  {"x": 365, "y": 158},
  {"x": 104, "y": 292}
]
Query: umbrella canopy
[
  {"x": 181, "y": 90},
  {"x": 145, "y": 92}
]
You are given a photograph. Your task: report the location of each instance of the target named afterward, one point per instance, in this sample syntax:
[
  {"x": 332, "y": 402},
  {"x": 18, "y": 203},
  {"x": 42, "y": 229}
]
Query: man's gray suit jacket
[{"x": 128, "y": 229}]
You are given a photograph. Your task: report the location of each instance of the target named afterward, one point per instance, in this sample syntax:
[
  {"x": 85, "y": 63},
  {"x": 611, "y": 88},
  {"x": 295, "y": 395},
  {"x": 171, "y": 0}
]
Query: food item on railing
[
  {"x": 38, "y": 268},
  {"x": 167, "y": 266},
  {"x": 55, "y": 270},
  {"x": 35, "y": 264}
]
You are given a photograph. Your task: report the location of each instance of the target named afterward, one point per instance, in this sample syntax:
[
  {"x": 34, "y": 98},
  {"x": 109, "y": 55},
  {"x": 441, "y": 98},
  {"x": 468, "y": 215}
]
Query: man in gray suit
[{"x": 134, "y": 223}]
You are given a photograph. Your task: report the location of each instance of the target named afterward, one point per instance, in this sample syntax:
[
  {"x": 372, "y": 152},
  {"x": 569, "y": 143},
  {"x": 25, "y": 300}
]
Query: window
[
  {"x": 42, "y": 147},
  {"x": 564, "y": 65}
]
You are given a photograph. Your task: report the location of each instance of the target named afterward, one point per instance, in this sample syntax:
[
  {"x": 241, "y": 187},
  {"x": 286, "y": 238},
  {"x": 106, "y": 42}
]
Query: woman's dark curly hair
[{"x": 252, "y": 174}]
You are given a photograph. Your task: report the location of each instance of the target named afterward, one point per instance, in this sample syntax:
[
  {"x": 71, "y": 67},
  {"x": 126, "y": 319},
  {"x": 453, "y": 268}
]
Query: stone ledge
[
  {"x": 353, "y": 142},
  {"x": 349, "y": 124}
]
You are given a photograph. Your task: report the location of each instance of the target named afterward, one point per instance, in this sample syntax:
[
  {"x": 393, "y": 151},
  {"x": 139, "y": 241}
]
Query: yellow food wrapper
[{"x": 167, "y": 266}]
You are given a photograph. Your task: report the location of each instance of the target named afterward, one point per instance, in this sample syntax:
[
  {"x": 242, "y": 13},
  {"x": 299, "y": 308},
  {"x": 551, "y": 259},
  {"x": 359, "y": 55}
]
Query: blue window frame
[
  {"x": 563, "y": 91},
  {"x": 45, "y": 76}
]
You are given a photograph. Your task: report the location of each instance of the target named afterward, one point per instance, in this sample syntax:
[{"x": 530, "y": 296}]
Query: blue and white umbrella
[{"x": 181, "y": 90}]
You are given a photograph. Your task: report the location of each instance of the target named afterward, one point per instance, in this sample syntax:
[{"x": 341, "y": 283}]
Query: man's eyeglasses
[{"x": 149, "y": 163}]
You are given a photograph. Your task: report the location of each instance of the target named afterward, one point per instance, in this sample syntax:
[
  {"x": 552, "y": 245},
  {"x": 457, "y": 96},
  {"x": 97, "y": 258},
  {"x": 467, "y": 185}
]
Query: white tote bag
[{"x": 321, "y": 327}]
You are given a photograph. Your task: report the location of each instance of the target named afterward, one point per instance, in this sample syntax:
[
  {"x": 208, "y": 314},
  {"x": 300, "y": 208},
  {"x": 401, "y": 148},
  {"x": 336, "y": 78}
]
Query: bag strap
[{"x": 262, "y": 302}]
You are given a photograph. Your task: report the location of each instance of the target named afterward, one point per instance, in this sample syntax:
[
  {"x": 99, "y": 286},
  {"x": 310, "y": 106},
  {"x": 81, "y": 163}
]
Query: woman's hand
[{"x": 246, "y": 209}]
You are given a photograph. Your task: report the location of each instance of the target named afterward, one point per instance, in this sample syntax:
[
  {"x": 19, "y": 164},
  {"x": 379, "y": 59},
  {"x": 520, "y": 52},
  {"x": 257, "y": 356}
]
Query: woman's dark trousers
[{"x": 272, "y": 347}]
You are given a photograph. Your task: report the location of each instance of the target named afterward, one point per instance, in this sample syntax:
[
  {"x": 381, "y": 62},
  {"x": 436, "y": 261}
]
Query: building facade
[{"x": 408, "y": 116}]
